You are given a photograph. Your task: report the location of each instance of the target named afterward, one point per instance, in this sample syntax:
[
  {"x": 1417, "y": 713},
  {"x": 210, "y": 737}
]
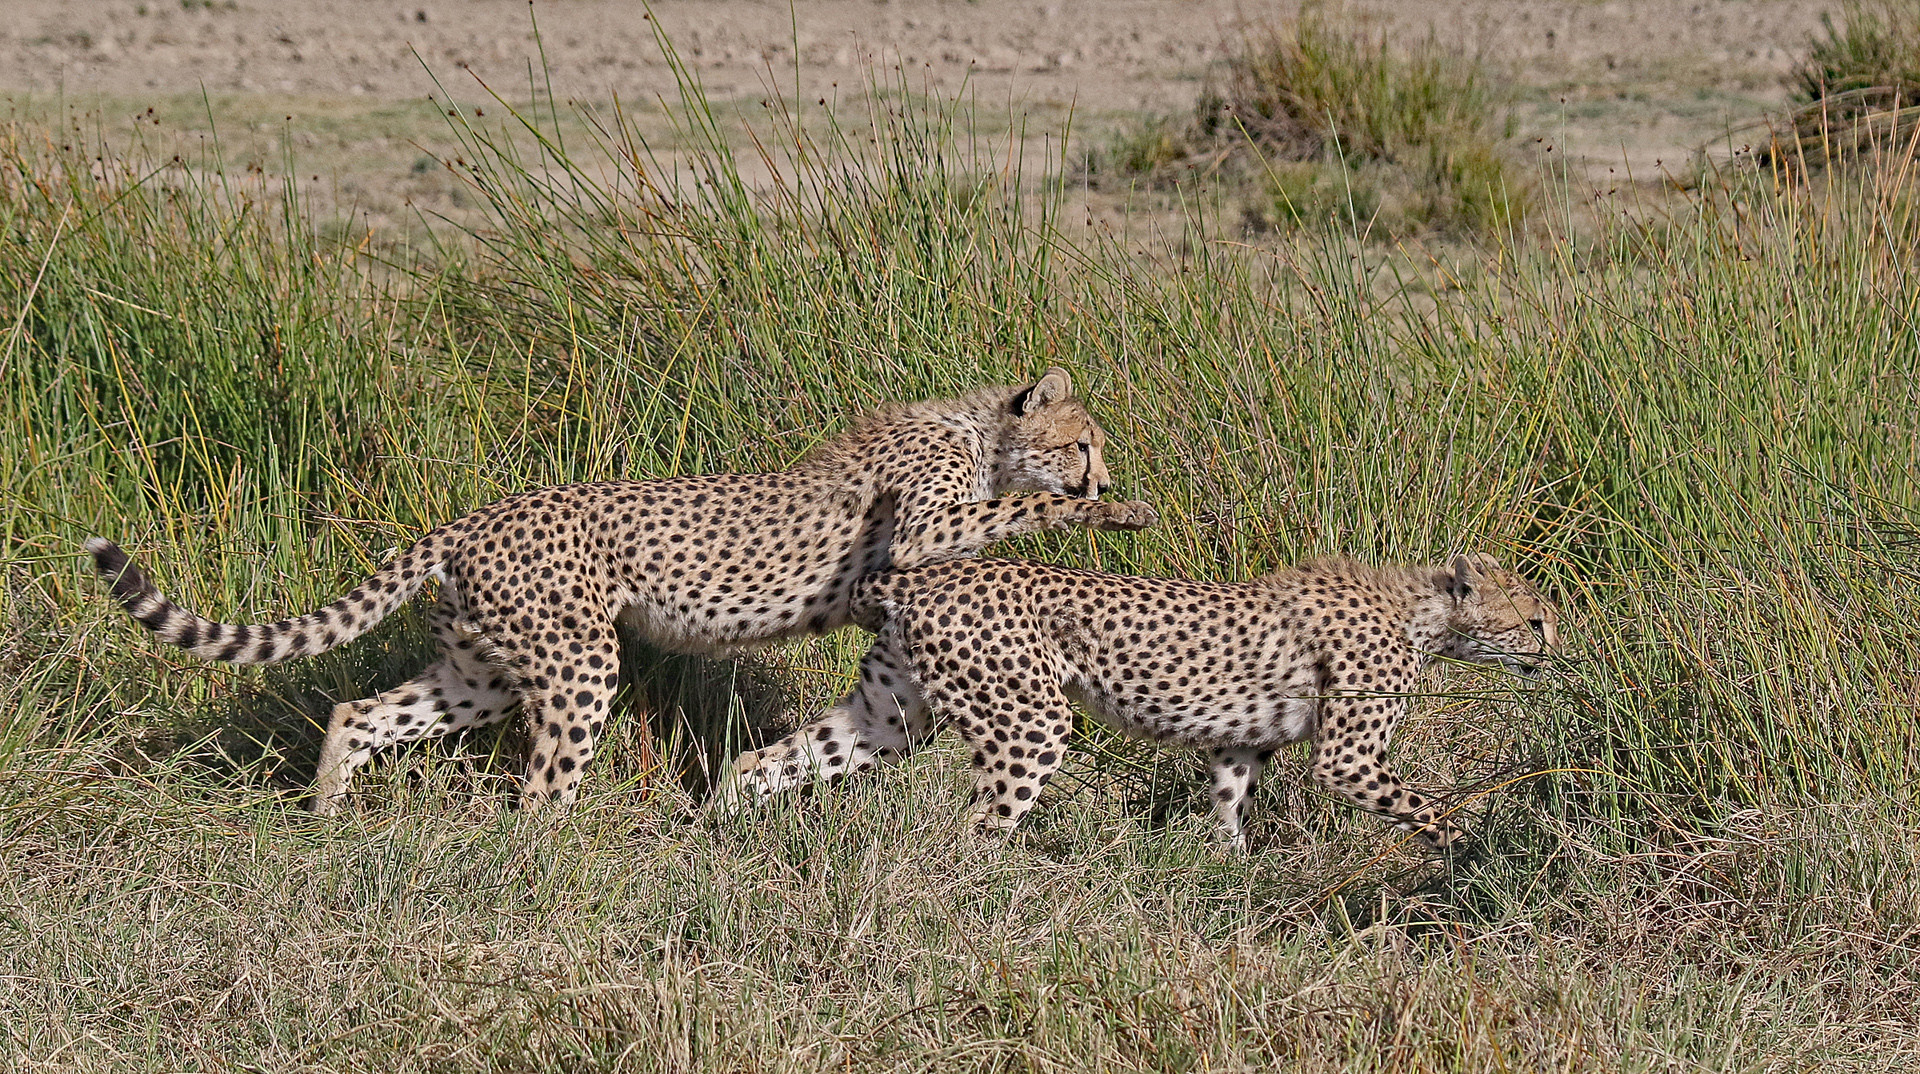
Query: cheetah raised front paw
[{"x": 1121, "y": 515}]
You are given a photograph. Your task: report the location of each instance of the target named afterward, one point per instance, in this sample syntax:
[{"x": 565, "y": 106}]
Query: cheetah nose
[{"x": 1095, "y": 490}]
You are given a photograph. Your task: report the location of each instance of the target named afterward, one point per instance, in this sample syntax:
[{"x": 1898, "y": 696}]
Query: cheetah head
[
  {"x": 1049, "y": 443},
  {"x": 1498, "y": 617}
]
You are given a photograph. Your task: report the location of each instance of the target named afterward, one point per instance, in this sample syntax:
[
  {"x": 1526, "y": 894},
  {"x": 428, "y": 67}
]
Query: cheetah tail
[{"x": 307, "y": 635}]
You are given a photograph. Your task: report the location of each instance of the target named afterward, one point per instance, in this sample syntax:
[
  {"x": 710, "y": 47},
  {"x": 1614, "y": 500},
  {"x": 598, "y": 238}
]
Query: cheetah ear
[
  {"x": 1461, "y": 584},
  {"x": 1054, "y": 387}
]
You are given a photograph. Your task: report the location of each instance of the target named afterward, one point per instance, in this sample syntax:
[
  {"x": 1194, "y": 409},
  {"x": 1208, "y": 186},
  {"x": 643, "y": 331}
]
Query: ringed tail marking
[{"x": 289, "y": 639}]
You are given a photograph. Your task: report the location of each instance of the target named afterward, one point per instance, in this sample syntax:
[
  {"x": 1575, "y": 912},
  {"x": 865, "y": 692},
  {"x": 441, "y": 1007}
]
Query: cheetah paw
[{"x": 1123, "y": 515}]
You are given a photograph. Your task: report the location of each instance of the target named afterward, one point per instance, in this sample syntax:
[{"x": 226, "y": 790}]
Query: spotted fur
[
  {"x": 996, "y": 649},
  {"x": 531, "y": 585}
]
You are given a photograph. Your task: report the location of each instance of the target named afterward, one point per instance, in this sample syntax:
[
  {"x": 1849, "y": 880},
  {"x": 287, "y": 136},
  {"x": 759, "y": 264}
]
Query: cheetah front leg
[
  {"x": 880, "y": 721},
  {"x": 955, "y": 531},
  {"x": 1018, "y": 744},
  {"x": 1350, "y": 760}
]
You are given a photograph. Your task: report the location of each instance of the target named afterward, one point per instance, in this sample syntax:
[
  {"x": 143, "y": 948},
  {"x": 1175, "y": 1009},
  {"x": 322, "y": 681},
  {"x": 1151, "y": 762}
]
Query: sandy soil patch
[
  {"x": 343, "y": 82},
  {"x": 1106, "y": 54}
]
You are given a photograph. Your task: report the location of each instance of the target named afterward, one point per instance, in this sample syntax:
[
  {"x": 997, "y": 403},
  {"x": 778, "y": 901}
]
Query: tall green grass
[{"x": 1701, "y": 437}]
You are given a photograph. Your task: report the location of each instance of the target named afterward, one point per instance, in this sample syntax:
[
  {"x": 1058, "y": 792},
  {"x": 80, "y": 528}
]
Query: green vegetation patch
[
  {"x": 1329, "y": 121},
  {"x": 1859, "y": 93}
]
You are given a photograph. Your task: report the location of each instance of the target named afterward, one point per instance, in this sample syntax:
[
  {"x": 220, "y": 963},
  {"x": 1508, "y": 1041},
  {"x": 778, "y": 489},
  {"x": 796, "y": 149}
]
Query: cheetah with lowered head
[
  {"x": 531, "y": 585},
  {"x": 1327, "y": 651}
]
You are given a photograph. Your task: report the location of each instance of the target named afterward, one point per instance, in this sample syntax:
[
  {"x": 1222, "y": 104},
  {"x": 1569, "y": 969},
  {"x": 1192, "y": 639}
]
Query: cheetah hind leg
[
  {"x": 1235, "y": 771},
  {"x": 880, "y": 721},
  {"x": 451, "y": 695},
  {"x": 458, "y": 691}
]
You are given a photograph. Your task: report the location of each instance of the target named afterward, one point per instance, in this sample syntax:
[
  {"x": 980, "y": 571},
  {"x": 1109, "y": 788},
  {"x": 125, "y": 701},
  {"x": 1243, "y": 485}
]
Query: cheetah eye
[{"x": 1539, "y": 626}]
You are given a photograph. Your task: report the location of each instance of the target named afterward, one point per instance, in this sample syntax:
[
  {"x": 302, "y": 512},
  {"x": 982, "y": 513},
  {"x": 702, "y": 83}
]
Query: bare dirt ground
[{"x": 343, "y": 83}]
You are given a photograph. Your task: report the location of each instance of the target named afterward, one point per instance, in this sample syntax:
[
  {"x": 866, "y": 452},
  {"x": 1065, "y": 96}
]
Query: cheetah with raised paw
[
  {"x": 996, "y": 649},
  {"x": 531, "y": 585}
]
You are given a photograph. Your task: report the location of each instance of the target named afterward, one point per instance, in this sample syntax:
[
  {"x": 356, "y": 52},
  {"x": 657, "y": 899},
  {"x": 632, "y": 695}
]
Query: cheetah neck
[
  {"x": 982, "y": 409},
  {"x": 977, "y": 441},
  {"x": 1415, "y": 597},
  {"x": 1428, "y": 618},
  {"x": 876, "y": 455}
]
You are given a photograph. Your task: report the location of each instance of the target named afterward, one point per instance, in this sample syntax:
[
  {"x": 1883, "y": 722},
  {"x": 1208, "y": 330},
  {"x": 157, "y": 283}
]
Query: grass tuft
[
  {"x": 1859, "y": 93},
  {"x": 1871, "y": 59},
  {"x": 1330, "y": 122}
]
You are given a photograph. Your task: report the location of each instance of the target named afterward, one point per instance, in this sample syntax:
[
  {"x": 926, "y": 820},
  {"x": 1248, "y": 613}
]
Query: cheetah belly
[
  {"x": 663, "y": 627},
  {"x": 1228, "y": 711},
  {"x": 791, "y": 576},
  {"x": 1166, "y": 720},
  {"x": 709, "y": 621}
]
